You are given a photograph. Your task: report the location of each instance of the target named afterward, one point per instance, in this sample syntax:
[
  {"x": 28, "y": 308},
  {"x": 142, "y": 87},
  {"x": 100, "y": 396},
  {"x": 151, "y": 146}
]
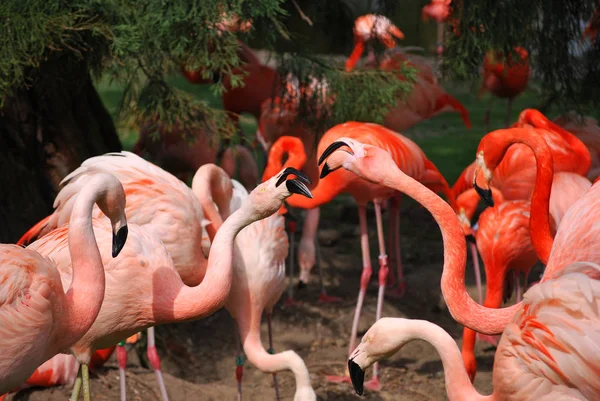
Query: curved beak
[
  {"x": 357, "y": 375},
  {"x": 297, "y": 185},
  {"x": 328, "y": 152},
  {"x": 118, "y": 241},
  {"x": 484, "y": 193}
]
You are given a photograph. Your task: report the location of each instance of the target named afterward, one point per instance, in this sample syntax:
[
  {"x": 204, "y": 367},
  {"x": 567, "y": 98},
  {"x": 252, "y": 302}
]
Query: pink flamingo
[
  {"x": 156, "y": 293},
  {"x": 258, "y": 281},
  {"x": 439, "y": 11},
  {"x": 547, "y": 351},
  {"x": 368, "y": 27},
  {"x": 38, "y": 318},
  {"x": 411, "y": 159},
  {"x": 555, "y": 253},
  {"x": 376, "y": 165}
]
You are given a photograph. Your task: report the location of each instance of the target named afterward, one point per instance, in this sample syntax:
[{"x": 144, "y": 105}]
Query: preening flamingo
[
  {"x": 155, "y": 292},
  {"x": 588, "y": 131},
  {"x": 411, "y": 159},
  {"x": 39, "y": 318},
  {"x": 573, "y": 299},
  {"x": 547, "y": 351},
  {"x": 504, "y": 76},
  {"x": 258, "y": 282},
  {"x": 576, "y": 238},
  {"x": 367, "y": 28}
]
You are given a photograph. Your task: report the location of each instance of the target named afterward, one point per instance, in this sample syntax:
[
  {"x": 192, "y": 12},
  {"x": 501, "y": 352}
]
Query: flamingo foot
[
  {"x": 328, "y": 299},
  {"x": 373, "y": 384},
  {"x": 338, "y": 379},
  {"x": 493, "y": 340}
]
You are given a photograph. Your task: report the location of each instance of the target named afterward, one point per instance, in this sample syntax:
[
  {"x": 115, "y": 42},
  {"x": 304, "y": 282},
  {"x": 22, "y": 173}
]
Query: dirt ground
[{"x": 199, "y": 357}]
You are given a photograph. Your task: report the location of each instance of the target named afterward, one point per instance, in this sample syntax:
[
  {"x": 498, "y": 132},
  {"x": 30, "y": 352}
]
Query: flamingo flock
[{"x": 130, "y": 246}]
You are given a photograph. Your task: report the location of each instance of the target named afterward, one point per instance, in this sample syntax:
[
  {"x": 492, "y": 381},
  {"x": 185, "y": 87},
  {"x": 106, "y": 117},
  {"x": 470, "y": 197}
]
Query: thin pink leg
[
  {"x": 518, "y": 285},
  {"x": 239, "y": 362},
  {"x": 475, "y": 257},
  {"x": 364, "y": 281},
  {"x": 122, "y": 360},
  {"x": 400, "y": 289},
  {"x": 271, "y": 351},
  {"x": 155, "y": 363},
  {"x": 291, "y": 261}
]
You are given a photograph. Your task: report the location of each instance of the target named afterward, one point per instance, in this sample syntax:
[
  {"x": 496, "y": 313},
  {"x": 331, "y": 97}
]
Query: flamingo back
[
  {"x": 155, "y": 199},
  {"x": 578, "y": 238},
  {"x": 549, "y": 351},
  {"x": 31, "y": 299},
  {"x": 588, "y": 131},
  {"x": 566, "y": 189}
]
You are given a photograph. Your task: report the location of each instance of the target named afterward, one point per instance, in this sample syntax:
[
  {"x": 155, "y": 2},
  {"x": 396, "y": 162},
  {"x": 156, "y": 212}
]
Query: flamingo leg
[
  {"x": 76, "y": 387},
  {"x": 364, "y": 281},
  {"x": 355, "y": 55},
  {"x": 518, "y": 286},
  {"x": 439, "y": 47},
  {"x": 400, "y": 290},
  {"x": 291, "y": 262},
  {"x": 85, "y": 375},
  {"x": 477, "y": 270},
  {"x": 239, "y": 362},
  {"x": 122, "y": 360},
  {"x": 155, "y": 363},
  {"x": 272, "y": 351}
]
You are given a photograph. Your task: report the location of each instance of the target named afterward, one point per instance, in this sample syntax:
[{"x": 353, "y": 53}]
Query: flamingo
[
  {"x": 439, "y": 11},
  {"x": 411, "y": 159},
  {"x": 547, "y": 351},
  {"x": 575, "y": 240},
  {"x": 156, "y": 293},
  {"x": 368, "y": 27},
  {"x": 504, "y": 76},
  {"x": 588, "y": 131},
  {"x": 258, "y": 281},
  {"x": 504, "y": 243},
  {"x": 38, "y": 318}
]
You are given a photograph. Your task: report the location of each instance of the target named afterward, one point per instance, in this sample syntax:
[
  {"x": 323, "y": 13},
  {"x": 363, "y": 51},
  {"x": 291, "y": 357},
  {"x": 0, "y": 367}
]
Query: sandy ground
[{"x": 199, "y": 357}]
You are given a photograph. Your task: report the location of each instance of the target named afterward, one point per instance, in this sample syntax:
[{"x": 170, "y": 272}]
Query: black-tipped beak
[
  {"x": 325, "y": 172},
  {"x": 357, "y": 375},
  {"x": 301, "y": 284},
  {"x": 330, "y": 149},
  {"x": 298, "y": 187},
  {"x": 290, "y": 170},
  {"x": 485, "y": 194},
  {"x": 119, "y": 241},
  {"x": 470, "y": 238}
]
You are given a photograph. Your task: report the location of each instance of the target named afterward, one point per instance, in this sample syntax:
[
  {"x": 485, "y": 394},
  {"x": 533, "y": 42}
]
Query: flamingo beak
[
  {"x": 484, "y": 193},
  {"x": 295, "y": 186},
  {"x": 357, "y": 375},
  {"x": 328, "y": 152},
  {"x": 119, "y": 240}
]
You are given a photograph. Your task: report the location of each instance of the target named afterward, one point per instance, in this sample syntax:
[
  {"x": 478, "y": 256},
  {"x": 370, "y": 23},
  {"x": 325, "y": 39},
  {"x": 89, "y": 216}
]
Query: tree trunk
[{"x": 46, "y": 131}]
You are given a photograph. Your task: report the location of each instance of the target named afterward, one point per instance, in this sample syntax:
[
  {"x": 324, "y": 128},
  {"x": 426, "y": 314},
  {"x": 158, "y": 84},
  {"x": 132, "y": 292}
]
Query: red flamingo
[
  {"x": 367, "y": 28},
  {"x": 504, "y": 77},
  {"x": 575, "y": 240},
  {"x": 588, "y": 131},
  {"x": 411, "y": 159}
]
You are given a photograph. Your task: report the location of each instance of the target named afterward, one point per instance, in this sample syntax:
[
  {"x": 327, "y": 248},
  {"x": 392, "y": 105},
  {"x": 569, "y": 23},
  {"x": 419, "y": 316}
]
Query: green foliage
[{"x": 566, "y": 67}]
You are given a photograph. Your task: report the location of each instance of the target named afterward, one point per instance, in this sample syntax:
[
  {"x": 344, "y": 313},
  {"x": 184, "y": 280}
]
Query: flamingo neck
[
  {"x": 86, "y": 292},
  {"x": 178, "y": 302},
  {"x": 458, "y": 384},
  {"x": 462, "y": 307},
  {"x": 213, "y": 188},
  {"x": 271, "y": 363}
]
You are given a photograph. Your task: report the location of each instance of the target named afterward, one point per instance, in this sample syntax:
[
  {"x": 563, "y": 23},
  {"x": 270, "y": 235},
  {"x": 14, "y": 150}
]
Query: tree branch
[{"x": 304, "y": 16}]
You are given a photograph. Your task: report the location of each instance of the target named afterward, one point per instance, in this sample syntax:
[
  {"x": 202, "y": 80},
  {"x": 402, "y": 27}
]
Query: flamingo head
[
  {"x": 269, "y": 196},
  {"x": 366, "y": 161},
  {"x": 485, "y": 166},
  {"x": 381, "y": 341},
  {"x": 112, "y": 204}
]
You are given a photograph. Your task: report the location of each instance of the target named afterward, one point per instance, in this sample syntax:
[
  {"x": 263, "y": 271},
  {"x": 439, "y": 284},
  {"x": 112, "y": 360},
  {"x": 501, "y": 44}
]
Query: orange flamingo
[
  {"x": 504, "y": 77},
  {"x": 504, "y": 243},
  {"x": 368, "y": 27},
  {"x": 410, "y": 158},
  {"x": 555, "y": 253},
  {"x": 39, "y": 319},
  {"x": 588, "y": 131},
  {"x": 376, "y": 165},
  {"x": 439, "y": 11}
]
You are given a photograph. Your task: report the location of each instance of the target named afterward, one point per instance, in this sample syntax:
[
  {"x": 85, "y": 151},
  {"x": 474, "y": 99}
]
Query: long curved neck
[
  {"x": 462, "y": 307},
  {"x": 86, "y": 293},
  {"x": 296, "y": 157},
  {"x": 178, "y": 302},
  {"x": 249, "y": 329},
  {"x": 458, "y": 384},
  {"x": 540, "y": 224},
  {"x": 213, "y": 188}
]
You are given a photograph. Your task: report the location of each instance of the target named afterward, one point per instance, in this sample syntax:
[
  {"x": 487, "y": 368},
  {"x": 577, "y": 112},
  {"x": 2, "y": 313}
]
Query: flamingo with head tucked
[{"x": 39, "y": 319}]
